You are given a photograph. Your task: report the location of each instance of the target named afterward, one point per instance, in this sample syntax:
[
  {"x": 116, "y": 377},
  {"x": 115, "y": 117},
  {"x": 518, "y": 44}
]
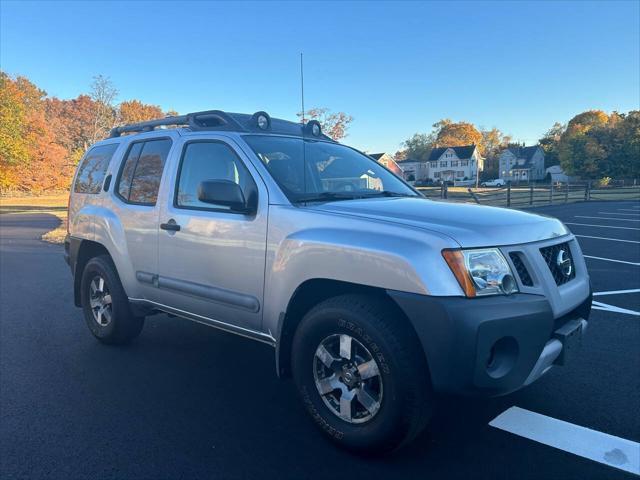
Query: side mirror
[{"x": 226, "y": 193}]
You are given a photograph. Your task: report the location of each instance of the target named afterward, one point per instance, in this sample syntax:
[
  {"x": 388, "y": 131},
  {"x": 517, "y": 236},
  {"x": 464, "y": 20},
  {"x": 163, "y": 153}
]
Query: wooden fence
[{"x": 532, "y": 195}]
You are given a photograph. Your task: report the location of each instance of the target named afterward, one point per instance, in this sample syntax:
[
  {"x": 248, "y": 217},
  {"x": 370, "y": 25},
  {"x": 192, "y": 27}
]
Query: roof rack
[
  {"x": 208, "y": 120},
  {"x": 259, "y": 122}
]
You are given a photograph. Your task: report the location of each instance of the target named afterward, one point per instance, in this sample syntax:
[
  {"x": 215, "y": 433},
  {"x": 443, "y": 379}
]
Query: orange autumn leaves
[{"x": 42, "y": 138}]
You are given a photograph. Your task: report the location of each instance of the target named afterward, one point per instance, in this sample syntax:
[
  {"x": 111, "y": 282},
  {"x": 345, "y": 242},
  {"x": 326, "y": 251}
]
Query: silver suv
[{"x": 374, "y": 298}]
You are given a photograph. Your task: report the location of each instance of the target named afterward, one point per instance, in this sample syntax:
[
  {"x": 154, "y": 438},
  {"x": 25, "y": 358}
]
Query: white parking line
[
  {"x": 597, "y": 446},
  {"x": 616, "y": 292},
  {"x": 600, "y": 226},
  {"x": 614, "y": 219},
  {"x": 612, "y": 260},
  {"x": 606, "y": 238},
  {"x": 614, "y": 213},
  {"x": 612, "y": 308}
]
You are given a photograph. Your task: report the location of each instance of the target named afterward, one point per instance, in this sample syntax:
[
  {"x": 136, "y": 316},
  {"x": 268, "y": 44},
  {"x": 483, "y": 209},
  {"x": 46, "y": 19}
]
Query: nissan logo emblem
[{"x": 564, "y": 263}]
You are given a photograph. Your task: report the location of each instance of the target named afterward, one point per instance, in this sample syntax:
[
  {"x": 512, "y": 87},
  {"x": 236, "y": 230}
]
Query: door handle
[{"x": 171, "y": 226}]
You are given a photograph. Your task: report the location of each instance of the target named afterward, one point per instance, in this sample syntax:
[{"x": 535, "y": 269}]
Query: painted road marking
[
  {"x": 627, "y": 209},
  {"x": 606, "y": 238},
  {"x": 612, "y": 308},
  {"x": 600, "y": 226},
  {"x": 616, "y": 292},
  {"x": 614, "y": 213},
  {"x": 612, "y": 260},
  {"x": 614, "y": 219},
  {"x": 597, "y": 446}
]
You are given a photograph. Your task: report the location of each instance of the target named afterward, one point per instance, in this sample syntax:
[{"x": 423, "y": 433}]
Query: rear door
[
  {"x": 213, "y": 266},
  {"x": 136, "y": 204}
]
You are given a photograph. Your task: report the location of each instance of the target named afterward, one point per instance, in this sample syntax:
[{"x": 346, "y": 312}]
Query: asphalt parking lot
[{"x": 187, "y": 401}]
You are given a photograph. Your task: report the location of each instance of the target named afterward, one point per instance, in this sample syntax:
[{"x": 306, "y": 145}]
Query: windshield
[{"x": 310, "y": 170}]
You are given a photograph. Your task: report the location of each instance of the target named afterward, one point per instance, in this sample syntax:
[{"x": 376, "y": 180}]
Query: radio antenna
[{"x": 302, "y": 86}]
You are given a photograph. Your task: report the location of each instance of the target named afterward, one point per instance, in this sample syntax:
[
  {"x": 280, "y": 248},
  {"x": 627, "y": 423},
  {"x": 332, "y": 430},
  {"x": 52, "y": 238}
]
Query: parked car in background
[
  {"x": 374, "y": 298},
  {"x": 498, "y": 182}
]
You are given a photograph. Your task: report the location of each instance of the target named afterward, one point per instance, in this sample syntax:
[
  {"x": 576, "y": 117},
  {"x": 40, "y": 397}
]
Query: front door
[{"x": 211, "y": 260}]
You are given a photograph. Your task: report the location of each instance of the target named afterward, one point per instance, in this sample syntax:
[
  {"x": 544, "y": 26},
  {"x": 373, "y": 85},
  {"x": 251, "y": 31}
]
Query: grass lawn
[{"x": 53, "y": 204}]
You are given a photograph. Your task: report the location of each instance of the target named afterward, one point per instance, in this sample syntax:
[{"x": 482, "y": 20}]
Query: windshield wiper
[
  {"x": 328, "y": 196},
  {"x": 387, "y": 193}
]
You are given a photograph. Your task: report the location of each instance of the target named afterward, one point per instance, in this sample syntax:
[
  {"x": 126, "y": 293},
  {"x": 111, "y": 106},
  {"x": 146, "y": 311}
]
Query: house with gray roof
[
  {"x": 520, "y": 163},
  {"x": 446, "y": 164},
  {"x": 455, "y": 163}
]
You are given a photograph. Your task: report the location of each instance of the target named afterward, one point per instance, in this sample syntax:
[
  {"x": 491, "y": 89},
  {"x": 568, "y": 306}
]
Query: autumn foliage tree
[
  {"x": 30, "y": 157},
  {"x": 42, "y": 138},
  {"x": 595, "y": 144},
  {"x": 455, "y": 134},
  {"x": 335, "y": 125},
  {"x": 447, "y": 133},
  {"x": 134, "y": 111}
]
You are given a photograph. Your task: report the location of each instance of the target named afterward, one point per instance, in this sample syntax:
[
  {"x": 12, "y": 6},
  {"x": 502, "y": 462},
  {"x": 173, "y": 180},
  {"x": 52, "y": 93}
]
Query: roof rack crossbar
[{"x": 208, "y": 120}]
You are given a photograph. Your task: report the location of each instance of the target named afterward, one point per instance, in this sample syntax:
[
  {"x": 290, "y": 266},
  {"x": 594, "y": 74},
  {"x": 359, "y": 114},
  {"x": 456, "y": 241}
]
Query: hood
[{"x": 469, "y": 224}]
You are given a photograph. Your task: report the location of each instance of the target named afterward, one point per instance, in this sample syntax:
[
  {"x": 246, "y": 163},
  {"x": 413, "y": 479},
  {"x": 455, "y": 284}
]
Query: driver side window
[{"x": 208, "y": 160}]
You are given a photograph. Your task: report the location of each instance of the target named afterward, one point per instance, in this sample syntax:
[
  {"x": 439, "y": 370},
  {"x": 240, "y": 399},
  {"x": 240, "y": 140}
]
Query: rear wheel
[
  {"x": 105, "y": 305},
  {"x": 361, "y": 374}
]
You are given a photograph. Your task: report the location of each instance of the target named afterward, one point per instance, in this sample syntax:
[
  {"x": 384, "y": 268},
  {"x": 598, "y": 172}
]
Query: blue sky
[{"x": 396, "y": 67}]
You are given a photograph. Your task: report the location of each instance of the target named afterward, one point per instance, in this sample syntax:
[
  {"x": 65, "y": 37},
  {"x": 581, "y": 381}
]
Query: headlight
[{"x": 481, "y": 272}]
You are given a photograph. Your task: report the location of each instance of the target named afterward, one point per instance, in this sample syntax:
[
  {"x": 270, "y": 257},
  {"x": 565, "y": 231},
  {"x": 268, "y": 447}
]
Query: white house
[
  {"x": 446, "y": 164},
  {"x": 522, "y": 164},
  {"x": 455, "y": 163}
]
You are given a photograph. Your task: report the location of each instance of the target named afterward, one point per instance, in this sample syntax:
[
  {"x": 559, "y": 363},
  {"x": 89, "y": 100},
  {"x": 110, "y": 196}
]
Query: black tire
[
  {"x": 122, "y": 325},
  {"x": 406, "y": 404}
]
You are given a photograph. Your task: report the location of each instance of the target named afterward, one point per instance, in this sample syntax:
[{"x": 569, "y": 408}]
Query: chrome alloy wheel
[
  {"x": 347, "y": 378},
  {"x": 100, "y": 301}
]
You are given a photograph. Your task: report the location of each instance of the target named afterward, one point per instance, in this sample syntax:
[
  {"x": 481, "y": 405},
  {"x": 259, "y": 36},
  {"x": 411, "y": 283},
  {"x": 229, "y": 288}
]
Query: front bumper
[{"x": 491, "y": 345}]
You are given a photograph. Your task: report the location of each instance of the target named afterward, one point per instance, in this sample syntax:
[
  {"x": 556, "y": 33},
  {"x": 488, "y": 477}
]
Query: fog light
[{"x": 502, "y": 357}]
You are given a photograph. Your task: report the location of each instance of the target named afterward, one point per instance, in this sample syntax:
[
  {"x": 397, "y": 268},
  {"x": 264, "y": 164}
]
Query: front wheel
[
  {"x": 361, "y": 374},
  {"x": 105, "y": 304}
]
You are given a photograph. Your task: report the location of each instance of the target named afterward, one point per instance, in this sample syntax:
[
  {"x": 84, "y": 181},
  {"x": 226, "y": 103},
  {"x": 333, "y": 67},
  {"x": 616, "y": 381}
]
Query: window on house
[
  {"x": 433, "y": 164},
  {"x": 464, "y": 163},
  {"x": 454, "y": 163},
  {"x": 444, "y": 163}
]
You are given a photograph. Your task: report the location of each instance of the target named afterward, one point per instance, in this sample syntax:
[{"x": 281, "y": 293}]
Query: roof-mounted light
[
  {"x": 262, "y": 120},
  {"x": 314, "y": 128}
]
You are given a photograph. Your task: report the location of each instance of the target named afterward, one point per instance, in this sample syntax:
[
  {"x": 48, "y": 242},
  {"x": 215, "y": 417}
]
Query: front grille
[
  {"x": 551, "y": 256},
  {"x": 522, "y": 271}
]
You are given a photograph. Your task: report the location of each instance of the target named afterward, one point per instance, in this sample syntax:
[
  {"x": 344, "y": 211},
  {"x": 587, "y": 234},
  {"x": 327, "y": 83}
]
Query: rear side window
[
  {"x": 142, "y": 171},
  {"x": 93, "y": 169}
]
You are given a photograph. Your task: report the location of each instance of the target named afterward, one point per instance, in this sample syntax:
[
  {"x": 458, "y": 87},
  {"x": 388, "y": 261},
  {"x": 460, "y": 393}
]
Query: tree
[
  {"x": 29, "y": 155},
  {"x": 550, "y": 144},
  {"x": 335, "y": 125},
  {"x": 72, "y": 121},
  {"x": 103, "y": 93},
  {"x": 596, "y": 145},
  {"x": 452, "y": 134},
  {"x": 134, "y": 111},
  {"x": 419, "y": 146},
  {"x": 493, "y": 142}
]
